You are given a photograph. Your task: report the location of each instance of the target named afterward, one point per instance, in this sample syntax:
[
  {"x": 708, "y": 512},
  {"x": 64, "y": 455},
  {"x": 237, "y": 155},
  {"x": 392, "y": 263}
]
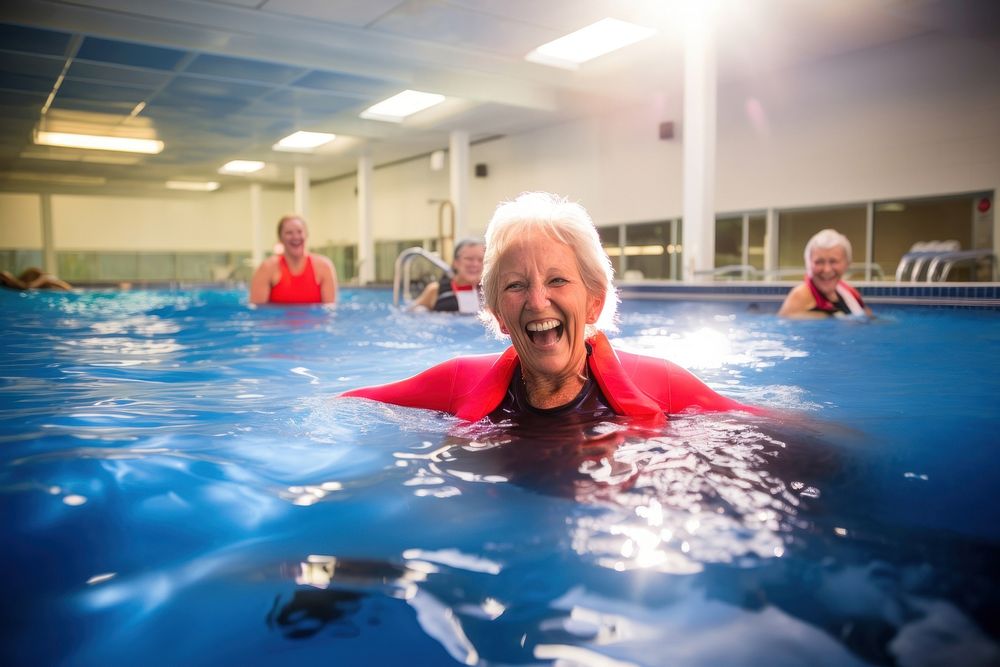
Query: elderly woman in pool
[
  {"x": 824, "y": 292},
  {"x": 547, "y": 285},
  {"x": 460, "y": 293}
]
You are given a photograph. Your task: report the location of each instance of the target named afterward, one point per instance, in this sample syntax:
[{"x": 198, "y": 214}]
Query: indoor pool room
[
  {"x": 435, "y": 333},
  {"x": 182, "y": 485}
]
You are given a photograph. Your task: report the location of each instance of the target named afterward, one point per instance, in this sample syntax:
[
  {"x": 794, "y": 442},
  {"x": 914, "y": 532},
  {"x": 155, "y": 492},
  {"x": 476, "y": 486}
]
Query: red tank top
[{"x": 301, "y": 288}]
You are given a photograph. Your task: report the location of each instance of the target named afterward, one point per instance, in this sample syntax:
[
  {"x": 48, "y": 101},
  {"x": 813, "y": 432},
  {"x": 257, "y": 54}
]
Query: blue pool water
[{"x": 181, "y": 486}]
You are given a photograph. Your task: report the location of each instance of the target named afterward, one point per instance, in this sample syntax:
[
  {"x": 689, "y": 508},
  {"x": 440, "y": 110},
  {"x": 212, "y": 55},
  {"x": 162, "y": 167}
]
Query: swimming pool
[{"x": 180, "y": 487}]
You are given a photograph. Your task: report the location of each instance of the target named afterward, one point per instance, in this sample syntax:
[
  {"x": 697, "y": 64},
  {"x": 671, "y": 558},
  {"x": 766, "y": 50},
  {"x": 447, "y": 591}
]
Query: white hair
[
  {"x": 826, "y": 238},
  {"x": 562, "y": 221}
]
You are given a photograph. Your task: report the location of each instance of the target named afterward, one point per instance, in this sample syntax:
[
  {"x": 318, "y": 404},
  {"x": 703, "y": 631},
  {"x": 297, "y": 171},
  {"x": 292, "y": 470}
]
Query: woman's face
[
  {"x": 828, "y": 266},
  {"x": 469, "y": 264},
  {"x": 544, "y": 306},
  {"x": 293, "y": 236}
]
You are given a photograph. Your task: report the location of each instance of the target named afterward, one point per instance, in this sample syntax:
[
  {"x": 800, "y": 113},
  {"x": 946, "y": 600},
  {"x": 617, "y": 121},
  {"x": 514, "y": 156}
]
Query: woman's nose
[{"x": 538, "y": 297}]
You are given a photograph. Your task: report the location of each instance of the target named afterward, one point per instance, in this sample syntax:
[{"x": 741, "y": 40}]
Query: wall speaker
[{"x": 481, "y": 170}]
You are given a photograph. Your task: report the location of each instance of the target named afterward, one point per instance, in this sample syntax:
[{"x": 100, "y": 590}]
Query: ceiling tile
[
  {"x": 338, "y": 82},
  {"x": 309, "y": 100},
  {"x": 116, "y": 75},
  {"x": 194, "y": 89},
  {"x": 239, "y": 68},
  {"x": 457, "y": 26},
  {"x": 24, "y": 83},
  {"x": 33, "y": 40},
  {"x": 346, "y": 12},
  {"x": 86, "y": 90},
  {"x": 126, "y": 53}
]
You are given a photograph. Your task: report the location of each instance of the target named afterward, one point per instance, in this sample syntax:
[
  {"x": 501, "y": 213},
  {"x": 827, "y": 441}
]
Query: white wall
[{"x": 20, "y": 221}]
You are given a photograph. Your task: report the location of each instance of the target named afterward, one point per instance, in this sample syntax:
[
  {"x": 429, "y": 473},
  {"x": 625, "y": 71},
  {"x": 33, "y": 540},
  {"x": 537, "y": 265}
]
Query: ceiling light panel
[
  {"x": 303, "y": 141},
  {"x": 597, "y": 39},
  {"x": 241, "y": 167},
  {"x": 396, "y": 108}
]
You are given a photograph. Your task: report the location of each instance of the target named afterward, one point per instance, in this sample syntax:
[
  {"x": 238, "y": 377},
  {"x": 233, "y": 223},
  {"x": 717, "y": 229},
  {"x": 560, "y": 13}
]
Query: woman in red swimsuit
[
  {"x": 547, "y": 285},
  {"x": 296, "y": 275}
]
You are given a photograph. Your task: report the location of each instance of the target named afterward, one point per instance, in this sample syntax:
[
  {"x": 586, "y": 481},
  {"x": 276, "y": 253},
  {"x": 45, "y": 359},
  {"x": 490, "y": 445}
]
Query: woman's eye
[
  {"x": 514, "y": 286},
  {"x": 558, "y": 281}
]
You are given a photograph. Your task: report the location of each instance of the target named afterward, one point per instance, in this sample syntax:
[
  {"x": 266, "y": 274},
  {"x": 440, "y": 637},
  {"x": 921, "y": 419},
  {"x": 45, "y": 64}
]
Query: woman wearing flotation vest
[
  {"x": 458, "y": 293},
  {"x": 547, "y": 284},
  {"x": 824, "y": 293},
  {"x": 295, "y": 275}
]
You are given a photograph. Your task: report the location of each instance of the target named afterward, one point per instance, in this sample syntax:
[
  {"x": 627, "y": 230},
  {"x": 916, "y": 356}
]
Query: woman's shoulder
[{"x": 321, "y": 263}]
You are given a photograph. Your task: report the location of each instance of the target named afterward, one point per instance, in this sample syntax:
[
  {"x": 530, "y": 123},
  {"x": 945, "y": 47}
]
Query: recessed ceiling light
[
  {"x": 303, "y": 141},
  {"x": 99, "y": 142},
  {"x": 597, "y": 39},
  {"x": 401, "y": 105},
  {"x": 241, "y": 167},
  {"x": 195, "y": 186}
]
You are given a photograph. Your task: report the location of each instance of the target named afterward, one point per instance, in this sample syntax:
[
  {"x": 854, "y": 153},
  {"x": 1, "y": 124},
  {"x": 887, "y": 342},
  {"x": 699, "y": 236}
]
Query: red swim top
[
  {"x": 847, "y": 295},
  {"x": 634, "y": 384},
  {"x": 301, "y": 288}
]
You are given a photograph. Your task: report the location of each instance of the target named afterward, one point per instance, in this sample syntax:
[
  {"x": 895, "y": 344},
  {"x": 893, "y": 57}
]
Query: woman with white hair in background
[
  {"x": 824, "y": 292},
  {"x": 460, "y": 291},
  {"x": 547, "y": 284}
]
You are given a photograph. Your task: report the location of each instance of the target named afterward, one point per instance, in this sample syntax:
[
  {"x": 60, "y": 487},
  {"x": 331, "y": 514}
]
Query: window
[{"x": 795, "y": 228}]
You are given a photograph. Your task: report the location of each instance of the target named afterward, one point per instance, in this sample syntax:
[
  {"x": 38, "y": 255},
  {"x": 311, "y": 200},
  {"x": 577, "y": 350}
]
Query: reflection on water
[{"x": 181, "y": 486}]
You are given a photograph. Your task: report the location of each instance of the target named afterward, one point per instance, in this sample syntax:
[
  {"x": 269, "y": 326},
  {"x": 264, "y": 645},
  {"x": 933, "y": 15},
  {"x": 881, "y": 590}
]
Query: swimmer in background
[
  {"x": 33, "y": 278},
  {"x": 460, "y": 293},
  {"x": 547, "y": 284},
  {"x": 295, "y": 275},
  {"x": 824, "y": 292}
]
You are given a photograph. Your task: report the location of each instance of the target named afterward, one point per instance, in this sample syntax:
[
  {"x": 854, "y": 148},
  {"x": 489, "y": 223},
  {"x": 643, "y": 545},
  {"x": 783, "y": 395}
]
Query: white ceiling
[{"x": 225, "y": 79}]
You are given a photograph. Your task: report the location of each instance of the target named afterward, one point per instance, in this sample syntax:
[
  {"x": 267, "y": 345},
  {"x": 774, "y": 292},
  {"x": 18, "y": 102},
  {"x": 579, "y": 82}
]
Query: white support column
[
  {"x": 458, "y": 176},
  {"x": 49, "y": 263},
  {"x": 302, "y": 192},
  {"x": 699, "y": 141},
  {"x": 770, "y": 242},
  {"x": 366, "y": 244},
  {"x": 869, "y": 239},
  {"x": 745, "y": 246},
  {"x": 256, "y": 244}
]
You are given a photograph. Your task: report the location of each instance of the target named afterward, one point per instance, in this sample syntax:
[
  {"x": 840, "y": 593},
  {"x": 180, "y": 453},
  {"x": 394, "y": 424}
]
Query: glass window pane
[
  {"x": 648, "y": 250},
  {"x": 729, "y": 242},
  {"x": 795, "y": 228},
  {"x": 610, "y": 240},
  {"x": 900, "y": 224}
]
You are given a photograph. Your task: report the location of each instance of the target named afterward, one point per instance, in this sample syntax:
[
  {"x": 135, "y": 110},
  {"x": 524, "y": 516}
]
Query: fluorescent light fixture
[
  {"x": 241, "y": 167},
  {"x": 401, "y": 105},
  {"x": 585, "y": 44},
  {"x": 194, "y": 186},
  {"x": 98, "y": 142},
  {"x": 303, "y": 141},
  {"x": 890, "y": 207},
  {"x": 63, "y": 179}
]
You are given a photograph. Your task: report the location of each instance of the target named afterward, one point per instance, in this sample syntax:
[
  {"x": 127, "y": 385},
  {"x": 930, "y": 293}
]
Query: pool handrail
[
  {"x": 911, "y": 265},
  {"x": 401, "y": 272},
  {"x": 749, "y": 272},
  {"x": 947, "y": 260}
]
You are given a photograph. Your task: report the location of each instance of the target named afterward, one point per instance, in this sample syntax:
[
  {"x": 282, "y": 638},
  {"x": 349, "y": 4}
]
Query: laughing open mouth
[{"x": 546, "y": 332}]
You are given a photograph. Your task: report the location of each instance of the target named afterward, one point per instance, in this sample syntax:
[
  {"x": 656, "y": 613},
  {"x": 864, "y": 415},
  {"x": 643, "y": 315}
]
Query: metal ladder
[{"x": 401, "y": 273}]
